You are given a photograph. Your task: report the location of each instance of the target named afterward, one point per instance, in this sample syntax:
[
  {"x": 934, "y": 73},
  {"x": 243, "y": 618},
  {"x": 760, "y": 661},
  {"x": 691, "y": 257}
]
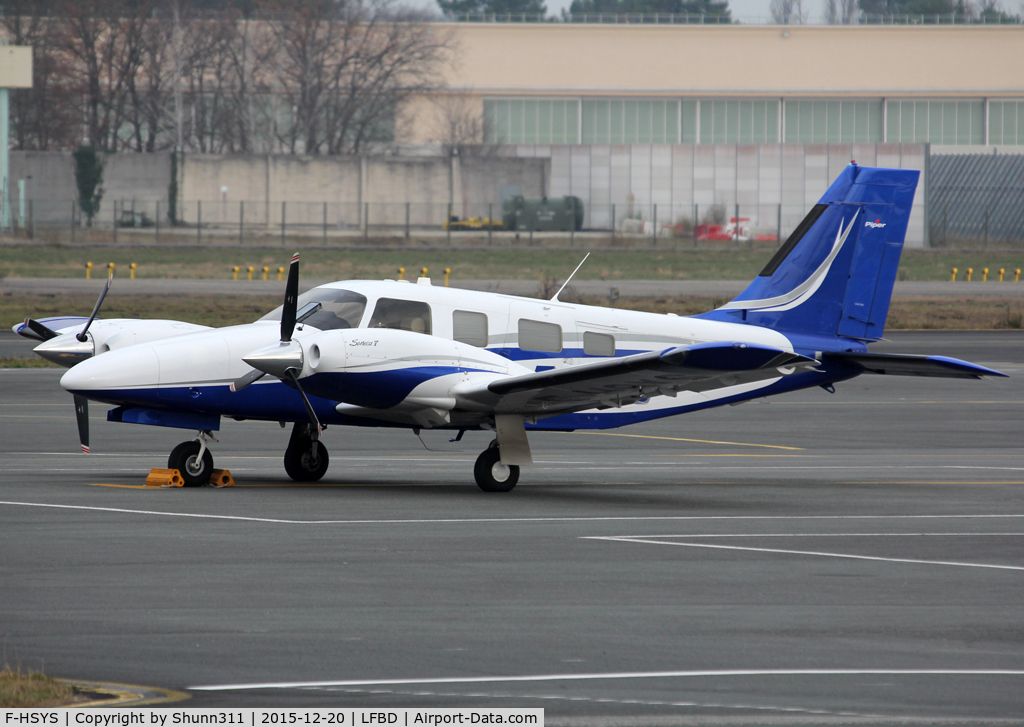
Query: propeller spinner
[{"x": 284, "y": 359}]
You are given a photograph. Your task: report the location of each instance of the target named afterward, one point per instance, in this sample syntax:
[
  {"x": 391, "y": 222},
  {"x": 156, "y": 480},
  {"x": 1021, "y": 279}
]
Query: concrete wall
[
  {"x": 684, "y": 180},
  {"x": 346, "y": 184},
  {"x": 52, "y": 187},
  {"x": 774, "y": 184}
]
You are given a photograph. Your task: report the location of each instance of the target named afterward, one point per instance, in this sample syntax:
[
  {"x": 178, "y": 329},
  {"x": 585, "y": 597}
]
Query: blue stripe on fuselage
[{"x": 375, "y": 389}]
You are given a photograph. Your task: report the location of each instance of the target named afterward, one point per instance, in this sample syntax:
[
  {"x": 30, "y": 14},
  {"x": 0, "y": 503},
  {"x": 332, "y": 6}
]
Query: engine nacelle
[
  {"x": 109, "y": 335},
  {"x": 381, "y": 368}
]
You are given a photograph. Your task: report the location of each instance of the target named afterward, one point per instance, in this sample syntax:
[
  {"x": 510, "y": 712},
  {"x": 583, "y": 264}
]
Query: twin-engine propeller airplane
[{"x": 397, "y": 354}]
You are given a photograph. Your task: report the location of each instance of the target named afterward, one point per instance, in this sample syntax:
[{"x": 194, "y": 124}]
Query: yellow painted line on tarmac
[
  {"x": 34, "y": 406},
  {"x": 929, "y": 482},
  {"x": 131, "y": 487},
  {"x": 762, "y": 456},
  {"x": 124, "y": 694},
  {"x": 35, "y": 416},
  {"x": 698, "y": 441},
  {"x": 885, "y": 403},
  {"x": 353, "y": 484}
]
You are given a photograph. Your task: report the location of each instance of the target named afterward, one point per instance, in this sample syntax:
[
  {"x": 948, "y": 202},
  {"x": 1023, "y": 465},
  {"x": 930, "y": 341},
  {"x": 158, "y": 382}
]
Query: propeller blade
[
  {"x": 291, "y": 296},
  {"x": 305, "y": 400},
  {"x": 41, "y": 332},
  {"x": 82, "y": 414},
  {"x": 96, "y": 309},
  {"x": 250, "y": 378}
]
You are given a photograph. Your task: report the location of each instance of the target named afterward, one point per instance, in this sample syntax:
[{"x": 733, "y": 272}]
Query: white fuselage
[{"x": 407, "y": 369}]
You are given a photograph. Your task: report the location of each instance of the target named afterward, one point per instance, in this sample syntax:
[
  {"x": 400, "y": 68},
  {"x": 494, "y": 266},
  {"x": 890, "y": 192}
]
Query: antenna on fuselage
[{"x": 555, "y": 296}]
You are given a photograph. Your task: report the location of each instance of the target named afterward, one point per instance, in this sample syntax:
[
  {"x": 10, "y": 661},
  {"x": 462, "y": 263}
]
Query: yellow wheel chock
[
  {"x": 164, "y": 478},
  {"x": 172, "y": 478},
  {"x": 221, "y": 478}
]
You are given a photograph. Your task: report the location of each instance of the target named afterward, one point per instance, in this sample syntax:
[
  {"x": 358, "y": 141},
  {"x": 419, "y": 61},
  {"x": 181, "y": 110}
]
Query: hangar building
[{"x": 753, "y": 115}]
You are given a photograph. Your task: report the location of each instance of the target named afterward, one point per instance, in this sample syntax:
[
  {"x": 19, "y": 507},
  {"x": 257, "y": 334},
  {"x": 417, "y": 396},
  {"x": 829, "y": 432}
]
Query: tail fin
[{"x": 834, "y": 275}]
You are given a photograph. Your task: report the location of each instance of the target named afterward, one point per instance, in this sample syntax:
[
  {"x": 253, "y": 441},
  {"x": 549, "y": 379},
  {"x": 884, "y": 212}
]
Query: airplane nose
[
  {"x": 130, "y": 368},
  {"x": 65, "y": 350}
]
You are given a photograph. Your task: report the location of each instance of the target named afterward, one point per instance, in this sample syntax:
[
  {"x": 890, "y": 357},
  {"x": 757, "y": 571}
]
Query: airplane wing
[
  {"x": 898, "y": 364},
  {"x": 622, "y": 381}
]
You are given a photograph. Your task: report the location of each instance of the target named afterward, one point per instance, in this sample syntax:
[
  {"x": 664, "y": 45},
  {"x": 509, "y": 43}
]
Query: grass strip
[
  {"x": 926, "y": 312},
  {"x": 672, "y": 260},
  {"x": 23, "y": 690}
]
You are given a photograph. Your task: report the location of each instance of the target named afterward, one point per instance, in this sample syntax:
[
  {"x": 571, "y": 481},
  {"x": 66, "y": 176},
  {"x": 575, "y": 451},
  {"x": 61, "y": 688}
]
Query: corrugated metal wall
[
  {"x": 976, "y": 199},
  {"x": 773, "y": 184}
]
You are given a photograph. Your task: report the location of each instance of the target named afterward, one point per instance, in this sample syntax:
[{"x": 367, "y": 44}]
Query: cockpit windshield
[{"x": 338, "y": 308}]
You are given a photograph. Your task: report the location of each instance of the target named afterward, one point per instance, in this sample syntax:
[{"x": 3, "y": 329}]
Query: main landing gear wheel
[
  {"x": 301, "y": 463},
  {"x": 194, "y": 470},
  {"x": 493, "y": 476}
]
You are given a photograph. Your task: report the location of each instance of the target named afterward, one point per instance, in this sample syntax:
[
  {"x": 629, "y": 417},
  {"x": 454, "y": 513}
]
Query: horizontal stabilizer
[{"x": 896, "y": 364}]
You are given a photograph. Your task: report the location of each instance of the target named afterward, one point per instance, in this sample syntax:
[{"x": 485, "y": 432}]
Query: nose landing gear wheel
[
  {"x": 301, "y": 464},
  {"x": 194, "y": 470},
  {"x": 493, "y": 476}
]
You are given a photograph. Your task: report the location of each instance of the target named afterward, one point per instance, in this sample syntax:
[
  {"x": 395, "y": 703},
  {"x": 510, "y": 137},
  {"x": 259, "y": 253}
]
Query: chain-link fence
[
  {"x": 207, "y": 222},
  {"x": 976, "y": 200}
]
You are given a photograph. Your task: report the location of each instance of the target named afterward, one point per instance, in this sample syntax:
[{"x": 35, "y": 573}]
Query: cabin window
[
  {"x": 404, "y": 315},
  {"x": 539, "y": 336},
  {"x": 598, "y": 344},
  {"x": 338, "y": 308},
  {"x": 470, "y": 328}
]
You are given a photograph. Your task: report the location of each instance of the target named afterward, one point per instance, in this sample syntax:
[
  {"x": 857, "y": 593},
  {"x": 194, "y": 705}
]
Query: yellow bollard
[
  {"x": 88, "y": 271},
  {"x": 265, "y": 271},
  {"x": 984, "y": 275},
  {"x": 970, "y": 271},
  {"x": 280, "y": 274},
  {"x": 234, "y": 273},
  {"x": 131, "y": 275},
  {"x": 401, "y": 273},
  {"x": 1001, "y": 271},
  {"x": 953, "y": 279},
  {"x": 423, "y": 272},
  {"x": 447, "y": 272},
  {"x": 1016, "y": 279},
  {"x": 251, "y": 268}
]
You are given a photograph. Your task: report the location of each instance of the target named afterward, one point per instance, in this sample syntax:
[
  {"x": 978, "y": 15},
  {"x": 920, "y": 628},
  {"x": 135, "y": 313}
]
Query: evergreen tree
[
  {"x": 678, "y": 7},
  {"x": 88, "y": 178},
  {"x": 500, "y": 7}
]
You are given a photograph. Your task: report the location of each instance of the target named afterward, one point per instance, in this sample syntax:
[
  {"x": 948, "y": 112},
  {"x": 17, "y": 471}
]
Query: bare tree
[
  {"x": 306, "y": 76},
  {"x": 45, "y": 116},
  {"x": 841, "y": 12},
  {"x": 788, "y": 12},
  {"x": 104, "y": 37},
  {"x": 247, "y": 52},
  {"x": 344, "y": 68},
  {"x": 460, "y": 125}
]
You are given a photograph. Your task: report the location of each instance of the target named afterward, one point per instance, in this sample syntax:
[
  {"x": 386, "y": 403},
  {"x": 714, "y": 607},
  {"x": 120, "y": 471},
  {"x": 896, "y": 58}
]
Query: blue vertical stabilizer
[{"x": 834, "y": 275}]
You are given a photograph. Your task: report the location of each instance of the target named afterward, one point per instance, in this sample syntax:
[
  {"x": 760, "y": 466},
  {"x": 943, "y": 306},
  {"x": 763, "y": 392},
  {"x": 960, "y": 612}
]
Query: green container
[{"x": 542, "y": 214}]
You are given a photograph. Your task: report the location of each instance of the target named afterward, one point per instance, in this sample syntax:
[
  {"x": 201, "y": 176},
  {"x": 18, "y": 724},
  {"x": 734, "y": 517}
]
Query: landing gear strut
[
  {"x": 305, "y": 459},
  {"x": 193, "y": 460}
]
